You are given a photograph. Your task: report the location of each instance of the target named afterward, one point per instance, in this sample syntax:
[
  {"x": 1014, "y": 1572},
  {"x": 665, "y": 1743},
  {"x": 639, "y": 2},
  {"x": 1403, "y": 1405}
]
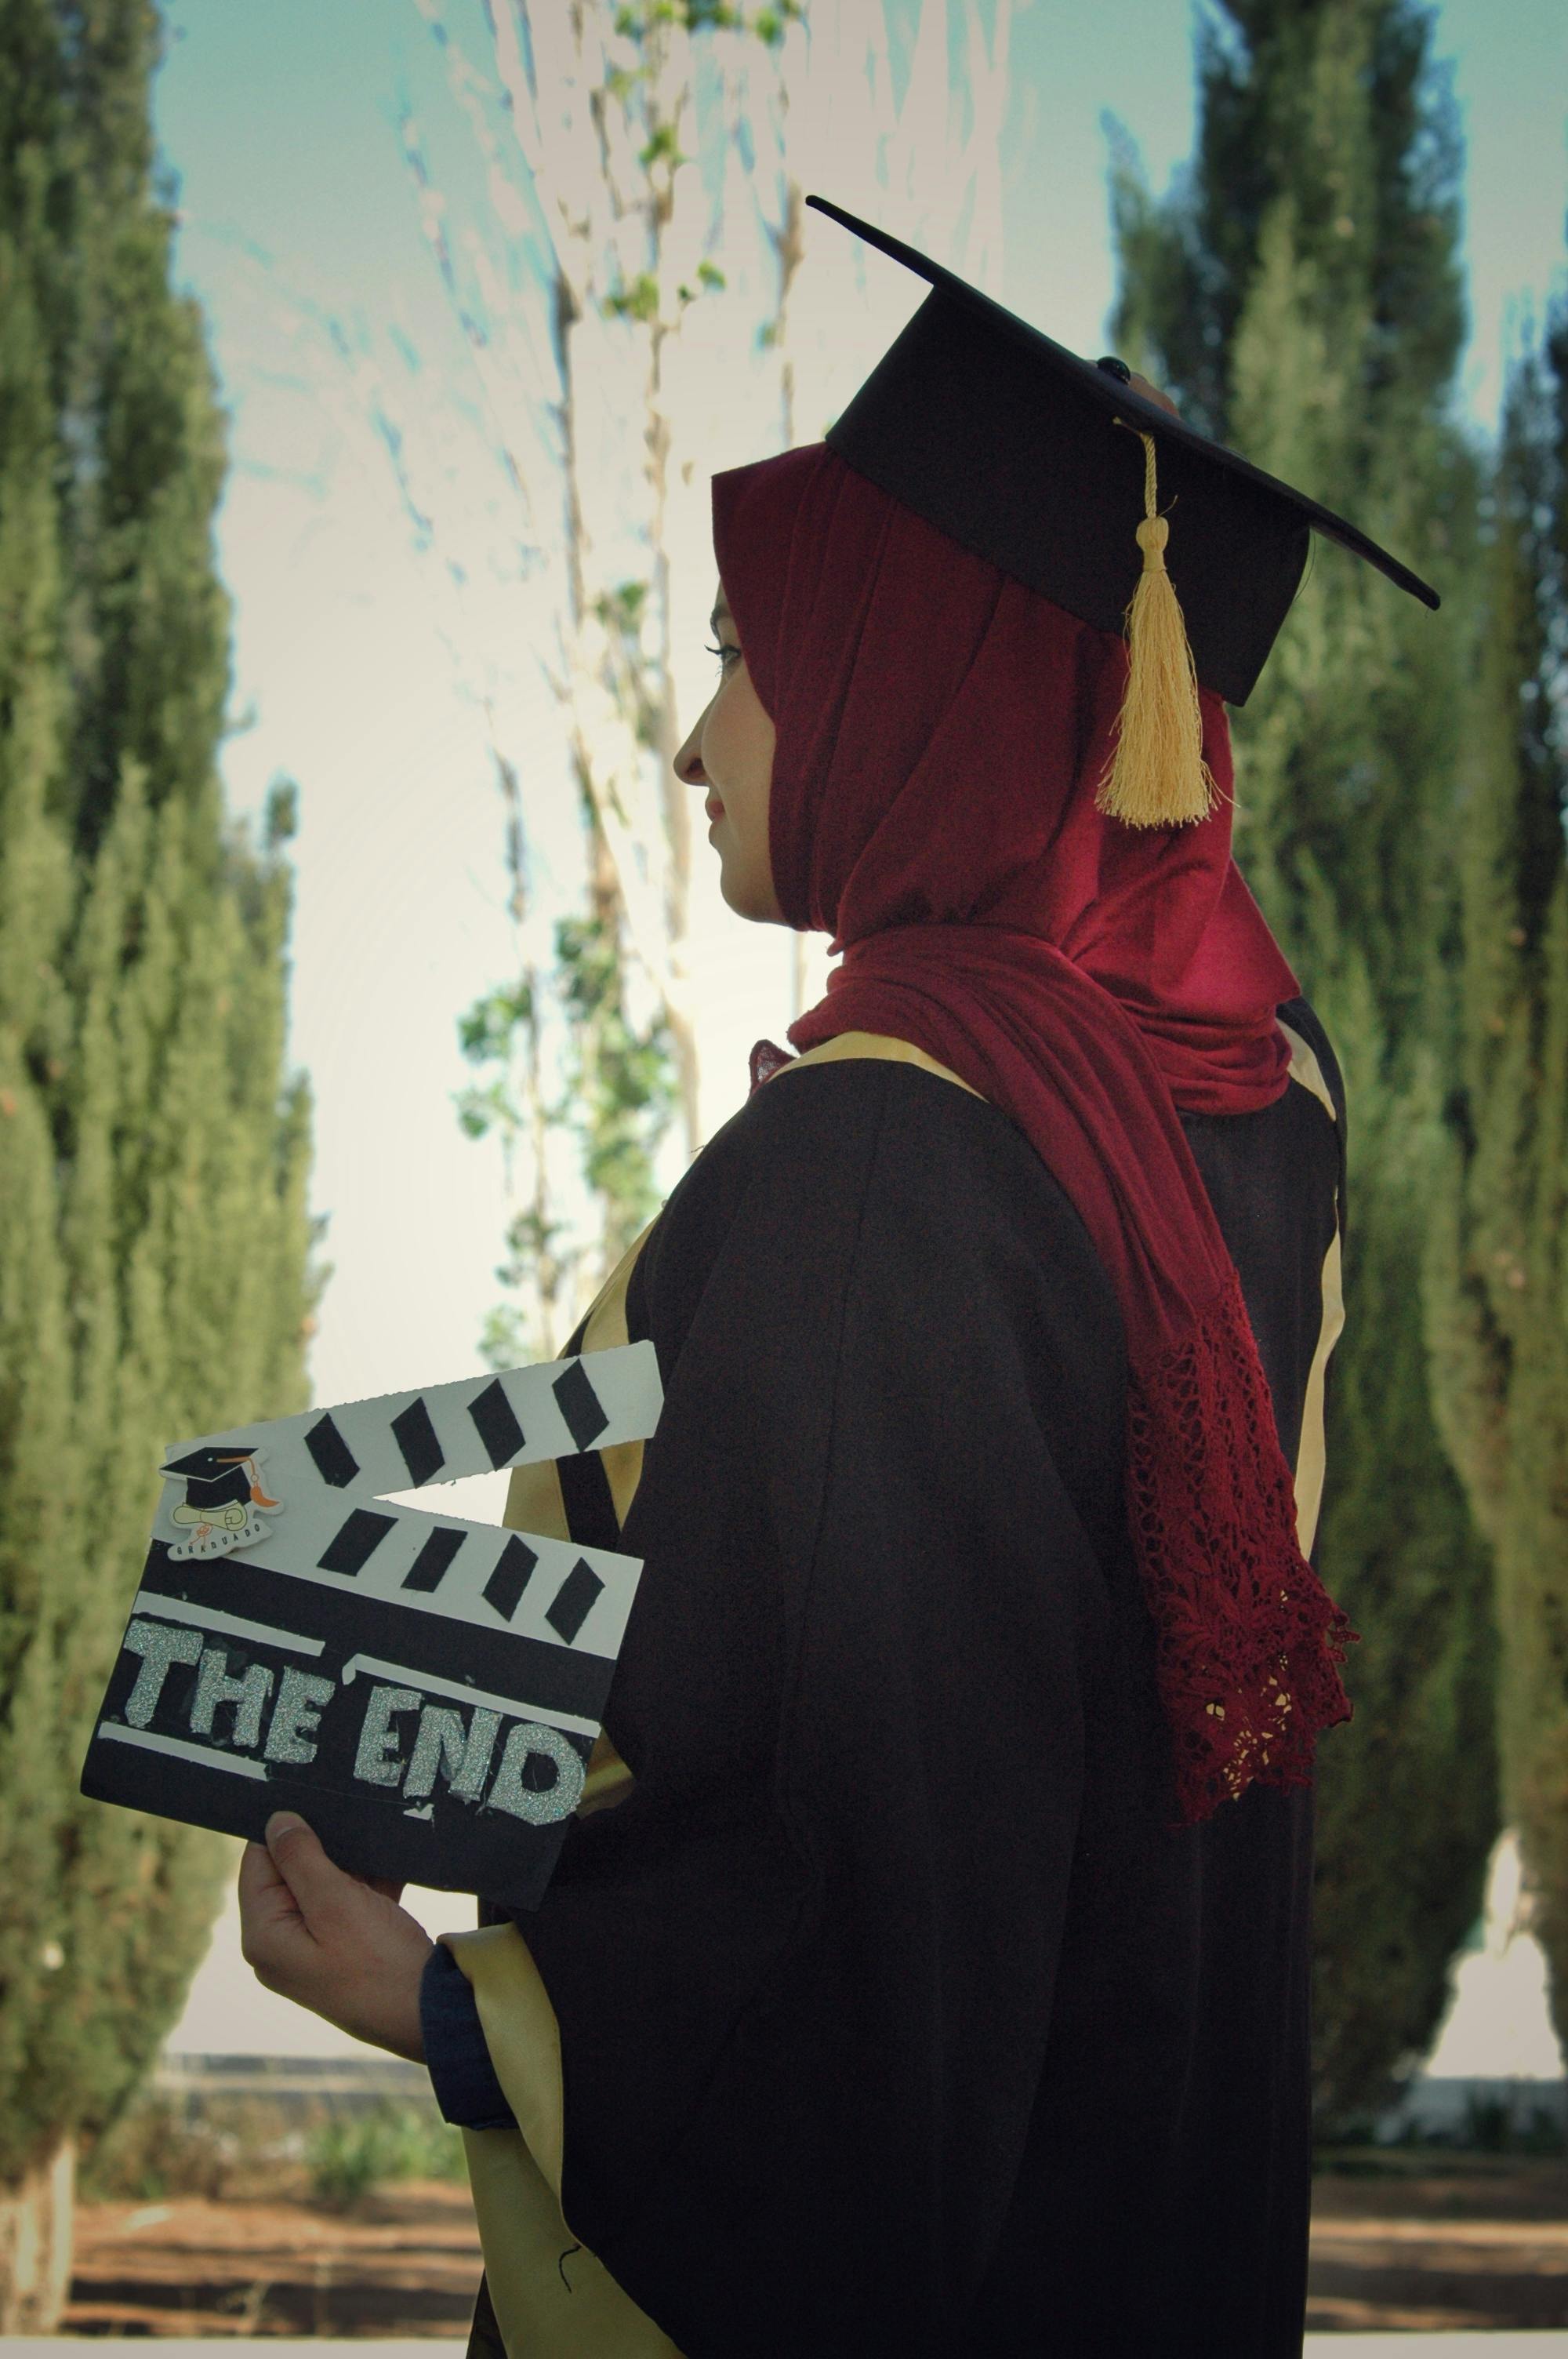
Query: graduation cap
[
  {"x": 1057, "y": 470},
  {"x": 215, "y": 1475}
]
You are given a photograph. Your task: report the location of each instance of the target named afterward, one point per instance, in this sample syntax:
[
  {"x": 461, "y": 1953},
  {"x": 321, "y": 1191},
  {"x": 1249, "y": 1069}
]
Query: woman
[{"x": 926, "y": 1968}]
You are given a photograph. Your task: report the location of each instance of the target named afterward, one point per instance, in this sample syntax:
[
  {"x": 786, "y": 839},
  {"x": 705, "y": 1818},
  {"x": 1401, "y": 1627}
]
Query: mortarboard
[
  {"x": 210, "y": 1460},
  {"x": 1021, "y": 451},
  {"x": 215, "y": 1476}
]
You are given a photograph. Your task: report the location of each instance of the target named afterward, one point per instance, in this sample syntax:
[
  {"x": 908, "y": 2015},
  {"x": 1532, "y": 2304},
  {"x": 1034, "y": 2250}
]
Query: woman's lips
[{"x": 714, "y": 808}]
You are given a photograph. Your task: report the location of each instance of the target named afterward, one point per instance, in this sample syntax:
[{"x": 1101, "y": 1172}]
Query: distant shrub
[
  {"x": 227, "y": 2148},
  {"x": 1492, "y": 2126},
  {"x": 256, "y": 2149},
  {"x": 352, "y": 2153}
]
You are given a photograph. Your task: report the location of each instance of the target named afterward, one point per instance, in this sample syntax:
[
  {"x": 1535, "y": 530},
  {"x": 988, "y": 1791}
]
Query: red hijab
[{"x": 940, "y": 732}]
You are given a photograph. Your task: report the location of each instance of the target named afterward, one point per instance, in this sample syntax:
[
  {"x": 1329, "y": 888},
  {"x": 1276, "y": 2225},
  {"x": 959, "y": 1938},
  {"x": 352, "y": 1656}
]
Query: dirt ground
[
  {"x": 403, "y": 2261},
  {"x": 1477, "y": 2243}
]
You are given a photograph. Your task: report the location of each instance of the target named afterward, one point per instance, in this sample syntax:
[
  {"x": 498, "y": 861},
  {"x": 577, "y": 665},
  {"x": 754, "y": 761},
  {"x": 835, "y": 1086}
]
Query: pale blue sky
[{"x": 278, "y": 120}]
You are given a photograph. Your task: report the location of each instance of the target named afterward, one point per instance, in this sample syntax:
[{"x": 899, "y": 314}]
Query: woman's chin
[{"x": 744, "y": 896}]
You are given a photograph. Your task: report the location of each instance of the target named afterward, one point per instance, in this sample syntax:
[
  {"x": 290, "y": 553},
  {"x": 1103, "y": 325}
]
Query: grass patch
[
  {"x": 352, "y": 2153},
  {"x": 260, "y": 2149}
]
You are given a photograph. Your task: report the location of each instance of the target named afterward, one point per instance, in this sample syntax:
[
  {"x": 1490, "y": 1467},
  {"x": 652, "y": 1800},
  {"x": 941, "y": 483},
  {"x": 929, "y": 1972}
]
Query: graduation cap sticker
[
  {"x": 1059, "y": 472},
  {"x": 425, "y": 1690},
  {"x": 223, "y": 1492}
]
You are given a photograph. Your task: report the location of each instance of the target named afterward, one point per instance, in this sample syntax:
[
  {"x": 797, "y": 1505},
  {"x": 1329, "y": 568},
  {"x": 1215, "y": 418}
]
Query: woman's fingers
[
  {"x": 336, "y": 1943},
  {"x": 325, "y": 1896},
  {"x": 293, "y": 1903},
  {"x": 259, "y": 1878},
  {"x": 273, "y": 1928}
]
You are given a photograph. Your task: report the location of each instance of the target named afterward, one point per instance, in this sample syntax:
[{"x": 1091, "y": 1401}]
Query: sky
[{"x": 356, "y": 662}]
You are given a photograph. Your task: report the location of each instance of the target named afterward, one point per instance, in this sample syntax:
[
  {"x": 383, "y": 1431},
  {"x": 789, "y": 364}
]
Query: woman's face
[{"x": 730, "y": 752}]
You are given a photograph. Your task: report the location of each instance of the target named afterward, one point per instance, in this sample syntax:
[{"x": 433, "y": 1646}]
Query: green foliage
[
  {"x": 352, "y": 2153},
  {"x": 613, "y": 1089},
  {"x": 661, "y": 146},
  {"x": 654, "y": 16},
  {"x": 1491, "y": 2127},
  {"x": 622, "y": 609},
  {"x": 486, "y": 1034},
  {"x": 616, "y": 1102},
  {"x": 1326, "y": 118},
  {"x": 265, "y": 2146},
  {"x": 153, "y": 1160},
  {"x": 622, "y": 1099},
  {"x": 647, "y": 26},
  {"x": 638, "y": 300},
  {"x": 1299, "y": 294},
  {"x": 163, "y": 2145},
  {"x": 534, "y": 1244},
  {"x": 1498, "y": 1263},
  {"x": 1400, "y": 1857},
  {"x": 711, "y": 280}
]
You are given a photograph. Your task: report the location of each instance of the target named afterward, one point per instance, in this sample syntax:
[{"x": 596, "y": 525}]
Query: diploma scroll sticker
[{"x": 425, "y": 1690}]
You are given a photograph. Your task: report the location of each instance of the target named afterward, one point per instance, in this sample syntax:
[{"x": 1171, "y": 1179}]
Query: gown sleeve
[
  {"x": 801, "y": 1973},
  {"x": 462, "y": 2071}
]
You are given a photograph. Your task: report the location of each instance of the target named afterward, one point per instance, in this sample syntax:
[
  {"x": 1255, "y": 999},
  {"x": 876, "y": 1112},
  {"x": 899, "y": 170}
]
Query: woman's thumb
[{"x": 294, "y": 1850}]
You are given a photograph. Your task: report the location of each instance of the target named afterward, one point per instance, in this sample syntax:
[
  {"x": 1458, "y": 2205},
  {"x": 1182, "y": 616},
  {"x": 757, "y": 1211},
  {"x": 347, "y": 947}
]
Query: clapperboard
[{"x": 425, "y": 1692}]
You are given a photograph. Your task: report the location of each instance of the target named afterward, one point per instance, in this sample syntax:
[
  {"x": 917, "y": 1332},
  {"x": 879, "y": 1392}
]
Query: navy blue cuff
[{"x": 461, "y": 2074}]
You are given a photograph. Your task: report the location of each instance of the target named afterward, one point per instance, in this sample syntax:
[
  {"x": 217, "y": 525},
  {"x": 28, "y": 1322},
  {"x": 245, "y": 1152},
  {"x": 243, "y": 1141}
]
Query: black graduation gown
[{"x": 895, "y": 2013}]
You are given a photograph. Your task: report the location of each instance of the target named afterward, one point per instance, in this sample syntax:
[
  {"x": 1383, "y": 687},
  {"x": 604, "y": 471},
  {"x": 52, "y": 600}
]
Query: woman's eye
[{"x": 721, "y": 653}]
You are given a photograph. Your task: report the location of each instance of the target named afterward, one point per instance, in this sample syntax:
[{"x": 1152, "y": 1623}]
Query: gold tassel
[{"x": 1157, "y": 776}]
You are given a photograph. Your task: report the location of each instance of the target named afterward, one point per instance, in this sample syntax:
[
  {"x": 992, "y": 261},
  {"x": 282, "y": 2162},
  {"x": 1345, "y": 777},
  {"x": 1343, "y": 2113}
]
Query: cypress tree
[
  {"x": 154, "y": 1239},
  {"x": 1298, "y": 291},
  {"x": 1498, "y": 1269}
]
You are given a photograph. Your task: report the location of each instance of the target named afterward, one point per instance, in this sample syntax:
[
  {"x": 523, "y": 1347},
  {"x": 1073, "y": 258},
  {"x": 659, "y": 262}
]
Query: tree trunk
[{"x": 35, "y": 2243}]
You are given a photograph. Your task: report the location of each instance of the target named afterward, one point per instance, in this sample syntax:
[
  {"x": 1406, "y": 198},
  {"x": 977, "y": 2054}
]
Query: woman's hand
[{"x": 338, "y": 1944}]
